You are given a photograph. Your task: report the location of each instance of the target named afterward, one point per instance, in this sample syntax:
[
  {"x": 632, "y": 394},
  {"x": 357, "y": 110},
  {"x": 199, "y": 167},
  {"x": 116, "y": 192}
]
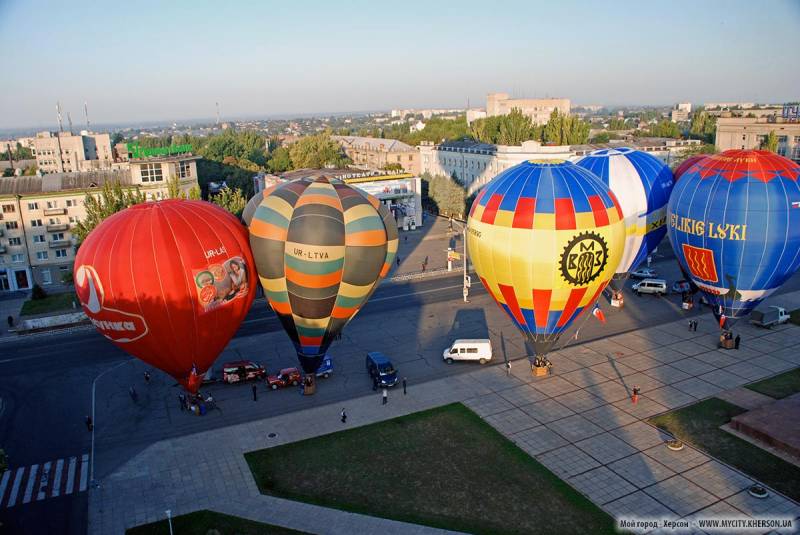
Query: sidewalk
[{"x": 579, "y": 423}]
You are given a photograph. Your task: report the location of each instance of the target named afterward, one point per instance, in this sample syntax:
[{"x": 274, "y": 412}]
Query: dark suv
[{"x": 381, "y": 368}]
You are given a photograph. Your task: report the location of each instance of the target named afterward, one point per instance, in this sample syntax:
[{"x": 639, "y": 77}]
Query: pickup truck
[{"x": 769, "y": 317}]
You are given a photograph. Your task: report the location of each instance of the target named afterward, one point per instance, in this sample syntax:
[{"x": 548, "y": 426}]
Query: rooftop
[
  {"x": 374, "y": 143},
  {"x": 58, "y": 182}
]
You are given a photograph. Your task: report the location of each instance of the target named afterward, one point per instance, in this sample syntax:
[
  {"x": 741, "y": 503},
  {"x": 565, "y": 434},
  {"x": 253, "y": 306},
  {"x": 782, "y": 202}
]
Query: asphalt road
[{"x": 45, "y": 388}]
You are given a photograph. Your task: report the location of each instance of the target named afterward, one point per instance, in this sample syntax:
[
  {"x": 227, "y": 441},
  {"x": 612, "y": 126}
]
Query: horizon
[{"x": 270, "y": 58}]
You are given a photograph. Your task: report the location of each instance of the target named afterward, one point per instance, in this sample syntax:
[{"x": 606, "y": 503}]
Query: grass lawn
[
  {"x": 444, "y": 467},
  {"x": 698, "y": 425},
  {"x": 200, "y": 522},
  {"x": 794, "y": 316},
  {"x": 51, "y": 303},
  {"x": 780, "y": 386}
]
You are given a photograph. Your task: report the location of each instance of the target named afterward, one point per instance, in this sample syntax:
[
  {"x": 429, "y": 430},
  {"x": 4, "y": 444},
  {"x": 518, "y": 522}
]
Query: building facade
[
  {"x": 538, "y": 109},
  {"x": 752, "y": 132},
  {"x": 63, "y": 152},
  {"x": 371, "y": 153},
  {"x": 38, "y": 213}
]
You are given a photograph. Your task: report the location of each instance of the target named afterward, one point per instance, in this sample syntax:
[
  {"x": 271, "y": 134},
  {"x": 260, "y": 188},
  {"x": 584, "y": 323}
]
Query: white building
[{"x": 63, "y": 152}]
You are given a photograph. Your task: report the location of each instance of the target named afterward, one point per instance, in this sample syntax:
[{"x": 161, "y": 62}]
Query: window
[
  {"x": 41, "y": 255},
  {"x": 151, "y": 172},
  {"x": 55, "y": 221},
  {"x": 63, "y": 268},
  {"x": 36, "y": 222},
  {"x": 47, "y": 277},
  {"x": 15, "y": 241},
  {"x": 17, "y": 258},
  {"x": 57, "y": 236},
  {"x": 33, "y": 206},
  {"x": 73, "y": 219},
  {"x": 52, "y": 204},
  {"x": 9, "y": 208},
  {"x": 38, "y": 238},
  {"x": 61, "y": 253},
  {"x": 472, "y": 350},
  {"x": 183, "y": 169},
  {"x": 11, "y": 225},
  {"x": 71, "y": 203}
]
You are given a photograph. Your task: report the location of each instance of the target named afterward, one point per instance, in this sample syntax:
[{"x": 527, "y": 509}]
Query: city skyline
[{"x": 173, "y": 63}]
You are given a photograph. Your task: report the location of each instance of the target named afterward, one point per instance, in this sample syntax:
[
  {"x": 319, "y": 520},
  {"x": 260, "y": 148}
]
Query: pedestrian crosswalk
[{"x": 38, "y": 482}]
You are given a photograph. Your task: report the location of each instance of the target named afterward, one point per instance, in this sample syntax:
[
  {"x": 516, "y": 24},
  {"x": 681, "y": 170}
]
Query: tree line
[{"x": 516, "y": 127}]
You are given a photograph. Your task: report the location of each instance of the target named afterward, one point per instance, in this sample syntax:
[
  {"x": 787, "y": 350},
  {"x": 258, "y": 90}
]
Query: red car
[
  {"x": 286, "y": 377},
  {"x": 242, "y": 370}
]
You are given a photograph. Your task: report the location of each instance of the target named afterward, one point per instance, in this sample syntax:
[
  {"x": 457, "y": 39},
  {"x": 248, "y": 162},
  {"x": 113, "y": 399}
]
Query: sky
[{"x": 172, "y": 60}]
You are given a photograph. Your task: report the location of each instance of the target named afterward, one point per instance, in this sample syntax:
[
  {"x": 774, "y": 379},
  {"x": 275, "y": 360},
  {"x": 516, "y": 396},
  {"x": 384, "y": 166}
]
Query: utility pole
[
  {"x": 10, "y": 157},
  {"x": 217, "y": 103},
  {"x": 69, "y": 121},
  {"x": 86, "y": 114},
  {"x": 58, "y": 137}
]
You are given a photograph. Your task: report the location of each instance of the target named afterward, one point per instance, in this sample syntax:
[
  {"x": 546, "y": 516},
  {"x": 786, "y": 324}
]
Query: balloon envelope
[
  {"x": 686, "y": 165},
  {"x": 169, "y": 282},
  {"x": 545, "y": 239},
  {"x": 734, "y": 224},
  {"x": 642, "y": 184},
  {"x": 321, "y": 247}
]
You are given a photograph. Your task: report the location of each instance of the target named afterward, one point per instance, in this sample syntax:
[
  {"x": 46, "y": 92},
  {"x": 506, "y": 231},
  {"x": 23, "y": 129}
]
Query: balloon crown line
[{"x": 553, "y": 162}]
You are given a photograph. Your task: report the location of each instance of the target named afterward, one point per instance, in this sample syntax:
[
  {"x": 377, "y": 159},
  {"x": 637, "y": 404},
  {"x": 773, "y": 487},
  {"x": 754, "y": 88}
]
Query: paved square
[
  {"x": 719, "y": 358},
  {"x": 670, "y": 397},
  {"x": 522, "y": 395},
  {"x": 606, "y": 448},
  {"x": 679, "y": 461},
  {"x": 609, "y": 417},
  {"x": 584, "y": 377},
  {"x": 601, "y": 485},
  {"x": 488, "y": 404},
  {"x": 610, "y": 391},
  {"x": 688, "y": 348},
  {"x": 693, "y": 366},
  {"x": 640, "y": 362},
  {"x": 642, "y": 380},
  {"x": 680, "y": 495},
  {"x": 641, "y": 435},
  {"x": 697, "y": 388},
  {"x": 511, "y": 421},
  {"x": 580, "y": 400},
  {"x": 774, "y": 505},
  {"x": 553, "y": 386},
  {"x": 772, "y": 364},
  {"x": 641, "y": 470},
  {"x": 538, "y": 440},
  {"x": 575, "y": 428},
  {"x": 749, "y": 371},
  {"x": 547, "y": 410},
  {"x": 667, "y": 374},
  {"x": 637, "y": 505},
  {"x": 718, "y": 479},
  {"x": 724, "y": 380},
  {"x": 567, "y": 461},
  {"x": 643, "y": 408}
]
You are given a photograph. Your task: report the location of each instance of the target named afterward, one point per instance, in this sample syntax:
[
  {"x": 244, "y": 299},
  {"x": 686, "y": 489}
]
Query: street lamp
[{"x": 467, "y": 278}]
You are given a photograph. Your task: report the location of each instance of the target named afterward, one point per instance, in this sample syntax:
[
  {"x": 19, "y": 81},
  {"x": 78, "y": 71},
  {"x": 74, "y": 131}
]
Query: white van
[
  {"x": 651, "y": 286},
  {"x": 480, "y": 350}
]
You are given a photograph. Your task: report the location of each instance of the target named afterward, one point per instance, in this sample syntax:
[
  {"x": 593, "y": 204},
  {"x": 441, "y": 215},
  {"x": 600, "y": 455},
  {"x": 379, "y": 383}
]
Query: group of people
[
  {"x": 725, "y": 340},
  {"x": 197, "y": 404}
]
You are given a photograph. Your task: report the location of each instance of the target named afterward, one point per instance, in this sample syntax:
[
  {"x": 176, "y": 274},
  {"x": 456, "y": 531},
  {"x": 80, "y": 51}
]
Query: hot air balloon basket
[
  {"x": 540, "y": 371},
  {"x": 617, "y": 302}
]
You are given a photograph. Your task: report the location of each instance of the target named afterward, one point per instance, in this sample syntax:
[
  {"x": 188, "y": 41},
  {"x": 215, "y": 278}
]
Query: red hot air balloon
[
  {"x": 686, "y": 165},
  {"x": 169, "y": 282}
]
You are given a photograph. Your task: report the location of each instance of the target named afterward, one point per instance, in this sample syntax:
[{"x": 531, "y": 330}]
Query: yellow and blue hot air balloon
[
  {"x": 642, "y": 184},
  {"x": 545, "y": 239},
  {"x": 321, "y": 247},
  {"x": 734, "y": 223}
]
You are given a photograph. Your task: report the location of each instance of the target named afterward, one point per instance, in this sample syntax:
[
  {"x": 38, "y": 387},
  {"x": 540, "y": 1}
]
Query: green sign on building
[{"x": 136, "y": 152}]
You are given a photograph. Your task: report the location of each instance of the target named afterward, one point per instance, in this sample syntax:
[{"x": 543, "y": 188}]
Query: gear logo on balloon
[{"x": 584, "y": 258}]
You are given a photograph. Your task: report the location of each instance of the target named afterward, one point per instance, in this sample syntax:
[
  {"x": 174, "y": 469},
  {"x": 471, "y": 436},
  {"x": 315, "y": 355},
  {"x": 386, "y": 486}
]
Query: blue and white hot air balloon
[{"x": 642, "y": 184}]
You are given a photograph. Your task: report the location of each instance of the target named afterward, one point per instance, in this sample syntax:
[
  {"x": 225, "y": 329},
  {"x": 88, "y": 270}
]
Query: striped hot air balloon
[
  {"x": 321, "y": 247},
  {"x": 545, "y": 239},
  {"x": 734, "y": 224},
  {"x": 642, "y": 184}
]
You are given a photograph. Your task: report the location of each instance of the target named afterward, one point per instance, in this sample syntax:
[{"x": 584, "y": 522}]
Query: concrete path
[{"x": 580, "y": 423}]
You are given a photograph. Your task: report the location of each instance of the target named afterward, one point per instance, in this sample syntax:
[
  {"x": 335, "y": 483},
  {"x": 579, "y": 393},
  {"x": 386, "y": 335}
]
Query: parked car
[
  {"x": 644, "y": 273},
  {"x": 286, "y": 377},
  {"x": 681, "y": 286},
  {"x": 478, "y": 349},
  {"x": 769, "y": 317},
  {"x": 381, "y": 368},
  {"x": 326, "y": 368},
  {"x": 650, "y": 286},
  {"x": 242, "y": 370}
]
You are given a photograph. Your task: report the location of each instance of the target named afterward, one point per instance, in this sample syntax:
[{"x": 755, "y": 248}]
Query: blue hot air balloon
[
  {"x": 642, "y": 184},
  {"x": 734, "y": 223}
]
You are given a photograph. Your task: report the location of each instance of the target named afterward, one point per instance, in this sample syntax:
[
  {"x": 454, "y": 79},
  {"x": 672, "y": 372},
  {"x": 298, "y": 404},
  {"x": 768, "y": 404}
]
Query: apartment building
[
  {"x": 37, "y": 214},
  {"x": 64, "y": 152},
  {"x": 372, "y": 153},
  {"x": 752, "y": 132}
]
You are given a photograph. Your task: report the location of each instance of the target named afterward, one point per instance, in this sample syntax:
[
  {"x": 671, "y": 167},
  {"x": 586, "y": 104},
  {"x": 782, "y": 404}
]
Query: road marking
[
  {"x": 44, "y": 482},
  {"x": 416, "y": 293},
  {"x": 84, "y": 471},
  {"x": 57, "y": 479},
  {"x": 31, "y": 482},
  {"x": 70, "y": 475},
  {"x": 4, "y": 484},
  {"x": 15, "y": 489}
]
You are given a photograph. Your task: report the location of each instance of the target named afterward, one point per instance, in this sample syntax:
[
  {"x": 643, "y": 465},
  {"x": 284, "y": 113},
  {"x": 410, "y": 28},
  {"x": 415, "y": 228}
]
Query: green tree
[
  {"x": 515, "y": 128},
  {"x": 317, "y": 152},
  {"x": 564, "y": 129},
  {"x": 392, "y": 166},
  {"x": 111, "y": 199},
  {"x": 174, "y": 188},
  {"x": 770, "y": 143},
  {"x": 194, "y": 193},
  {"x": 703, "y": 126},
  {"x": 665, "y": 128},
  {"x": 617, "y": 123},
  {"x": 117, "y": 137},
  {"x": 445, "y": 195},
  {"x": 279, "y": 160},
  {"x": 602, "y": 137},
  {"x": 230, "y": 199},
  {"x": 693, "y": 150}
]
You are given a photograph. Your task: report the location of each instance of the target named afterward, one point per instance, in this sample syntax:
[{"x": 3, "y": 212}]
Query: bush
[
  {"x": 66, "y": 277},
  {"x": 38, "y": 292}
]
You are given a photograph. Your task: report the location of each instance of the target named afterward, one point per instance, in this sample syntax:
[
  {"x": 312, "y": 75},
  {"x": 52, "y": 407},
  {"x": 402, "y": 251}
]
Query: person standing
[
  {"x": 255, "y": 393},
  {"x": 508, "y": 368},
  {"x": 737, "y": 341},
  {"x": 344, "y": 416},
  {"x": 385, "y": 396},
  {"x": 10, "y": 321},
  {"x": 398, "y": 260},
  {"x": 635, "y": 395},
  {"x": 182, "y": 401},
  {"x": 133, "y": 394},
  {"x": 89, "y": 423},
  {"x": 404, "y": 386},
  {"x": 147, "y": 377}
]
